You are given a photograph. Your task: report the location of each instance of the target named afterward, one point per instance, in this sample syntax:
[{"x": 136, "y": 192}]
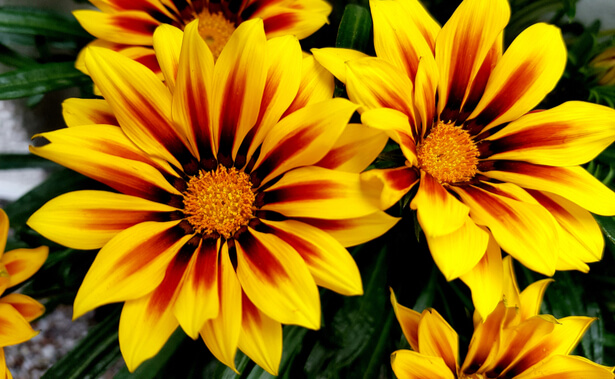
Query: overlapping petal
[
  {"x": 566, "y": 367},
  {"x": 15, "y": 328},
  {"x": 334, "y": 60},
  {"x": 29, "y": 308},
  {"x": 21, "y": 264},
  {"x": 316, "y": 85},
  {"x": 77, "y": 112},
  {"x": 412, "y": 365},
  {"x": 397, "y": 126},
  {"x": 167, "y": 45},
  {"x": 389, "y": 185},
  {"x": 436, "y": 338},
  {"x": 128, "y": 27}
]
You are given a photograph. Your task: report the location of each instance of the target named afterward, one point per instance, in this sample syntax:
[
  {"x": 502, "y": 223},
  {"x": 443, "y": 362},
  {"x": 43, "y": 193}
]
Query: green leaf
[
  {"x": 355, "y": 27},
  {"x": 40, "y": 78},
  {"x": 92, "y": 355},
  {"x": 33, "y": 21},
  {"x": 18, "y": 161},
  {"x": 11, "y": 58}
]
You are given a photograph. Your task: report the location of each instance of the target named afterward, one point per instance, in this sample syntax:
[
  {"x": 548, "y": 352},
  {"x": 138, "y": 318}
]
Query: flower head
[
  {"x": 238, "y": 185},
  {"x": 17, "y": 310},
  {"x": 128, "y": 26},
  {"x": 513, "y": 341},
  {"x": 487, "y": 167}
]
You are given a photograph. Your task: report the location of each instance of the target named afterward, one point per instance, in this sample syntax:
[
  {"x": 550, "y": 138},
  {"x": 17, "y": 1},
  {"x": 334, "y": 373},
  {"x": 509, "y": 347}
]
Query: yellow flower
[
  {"x": 604, "y": 63},
  {"x": 128, "y": 26},
  {"x": 460, "y": 110},
  {"x": 514, "y": 341},
  {"x": 17, "y": 310},
  {"x": 239, "y": 190}
]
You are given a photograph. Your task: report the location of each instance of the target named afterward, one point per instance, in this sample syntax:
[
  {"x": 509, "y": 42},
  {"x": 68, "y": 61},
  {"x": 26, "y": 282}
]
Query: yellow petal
[
  {"x": 167, "y": 44},
  {"x": 572, "y": 183},
  {"x": 425, "y": 94},
  {"x": 303, "y": 138},
  {"x": 463, "y": 44},
  {"x": 485, "y": 341},
  {"x": 510, "y": 287},
  {"x": 300, "y": 18},
  {"x": 334, "y": 60},
  {"x": 388, "y": 185},
  {"x": 529, "y": 69},
  {"x": 397, "y": 126},
  {"x": 240, "y": 74},
  {"x": 316, "y": 192},
  {"x": 21, "y": 264},
  {"x": 316, "y": 85},
  {"x": 408, "y": 320},
  {"x": 328, "y": 261},
  {"x": 15, "y": 328},
  {"x": 89, "y": 219},
  {"x": 78, "y": 112},
  {"x": 128, "y": 27},
  {"x": 485, "y": 280},
  {"x": 570, "y": 134},
  {"x": 531, "y": 298},
  {"x": 438, "y": 339},
  {"x": 261, "y": 337},
  {"x": 566, "y": 367},
  {"x": 412, "y": 365},
  {"x": 29, "y": 308},
  {"x": 197, "y": 299},
  {"x": 4, "y": 230},
  {"x": 221, "y": 334},
  {"x": 130, "y": 265},
  {"x": 277, "y": 280}
]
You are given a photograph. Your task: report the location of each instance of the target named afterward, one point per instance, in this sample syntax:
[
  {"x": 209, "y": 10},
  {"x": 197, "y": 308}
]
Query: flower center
[
  {"x": 219, "y": 201},
  {"x": 449, "y": 154},
  {"x": 215, "y": 30}
]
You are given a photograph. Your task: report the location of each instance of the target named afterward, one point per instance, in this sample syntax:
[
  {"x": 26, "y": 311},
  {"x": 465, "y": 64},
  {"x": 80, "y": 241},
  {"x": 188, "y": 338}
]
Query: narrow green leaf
[
  {"x": 92, "y": 355},
  {"x": 11, "y": 58},
  {"x": 33, "y": 21},
  {"x": 15, "y": 161},
  {"x": 40, "y": 78},
  {"x": 355, "y": 27}
]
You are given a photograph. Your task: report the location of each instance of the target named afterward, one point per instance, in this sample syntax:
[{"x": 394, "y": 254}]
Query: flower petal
[
  {"x": 131, "y": 265},
  {"x": 303, "y": 138},
  {"x": 328, "y": 261},
  {"x": 280, "y": 21},
  {"x": 485, "y": 341},
  {"x": 221, "y": 334},
  {"x": 89, "y": 219},
  {"x": 283, "y": 79},
  {"x": 15, "y": 328},
  {"x": 463, "y": 44},
  {"x": 438, "y": 339},
  {"x": 316, "y": 85},
  {"x": 404, "y": 33},
  {"x": 355, "y": 231},
  {"x": 317, "y": 192},
  {"x": 425, "y": 94},
  {"x": 529, "y": 69},
  {"x": 458, "y": 252},
  {"x": 523, "y": 229},
  {"x": 334, "y": 60},
  {"x": 355, "y": 149},
  {"x": 4, "y": 230},
  {"x": 261, "y": 337},
  {"x": 409, "y": 364},
  {"x": 197, "y": 299},
  {"x": 572, "y": 183},
  {"x": 485, "y": 280},
  {"x": 397, "y": 126},
  {"x": 140, "y": 101},
  {"x": 128, "y": 27},
  {"x": 147, "y": 323},
  {"x": 29, "y": 308},
  {"x": 192, "y": 97},
  {"x": 103, "y": 153},
  {"x": 277, "y": 280},
  {"x": 438, "y": 212},
  {"x": 21, "y": 264},
  {"x": 167, "y": 44},
  {"x": 408, "y": 320},
  {"x": 531, "y": 298},
  {"x": 566, "y": 367},
  {"x": 567, "y": 135},
  {"x": 78, "y": 112},
  {"x": 240, "y": 75},
  {"x": 389, "y": 185},
  {"x": 376, "y": 83}
]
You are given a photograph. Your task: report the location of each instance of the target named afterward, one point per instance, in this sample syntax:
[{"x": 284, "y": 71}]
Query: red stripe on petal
[
  {"x": 310, "y": 191},
  {"x": 261, "y": 259},
  {"x": 165, "y": 292},
  {"x": 128, "y": 23},
  {"x": 249, "y": 310},
  {"x": 150, "y": 62},
  {"x": 543, "y": 136},
  {"x": 399, "y": 179},
  {"x": 207, "y": 258},
  {"x": 230, "y": 112},
  {"x": 279, "y": 22}
]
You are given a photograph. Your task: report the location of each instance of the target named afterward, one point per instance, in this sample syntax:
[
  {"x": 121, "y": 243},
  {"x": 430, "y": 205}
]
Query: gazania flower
[
  {"x": 239, "y": 189},
  {"x": 513, "y": 342},
  {"x": 17, "y": 310},
  {"x": 128, "y": 26},
  {"x": 458, "y": 108}
]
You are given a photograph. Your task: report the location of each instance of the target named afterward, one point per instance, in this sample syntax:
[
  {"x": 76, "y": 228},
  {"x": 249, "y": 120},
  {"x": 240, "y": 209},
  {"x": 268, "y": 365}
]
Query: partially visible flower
[
  {"x": 514, "y": 341},
  {"x": 128, "y": 26},
  {"x": 239, "y": 191},
  {"x": 486, "y": 166},
  {"x": 16, "y": 310},
  {"x": 604, "y": 63}
]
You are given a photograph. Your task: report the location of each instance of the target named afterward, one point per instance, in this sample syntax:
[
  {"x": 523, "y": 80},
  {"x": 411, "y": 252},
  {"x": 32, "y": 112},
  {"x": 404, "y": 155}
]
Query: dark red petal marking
[
  {"x": 249, "y": 311},
  {"x": 230, "y": 112},
  {"x": 286, "y": 149},
  {"x": 261, "y": 259},
  {"x": 320, "y": 189},
  {"x": 206, "y": 261},
  {"x": 282, "y": 21},
  {"x": 198, "y": 114},
  {"x": 540, "y": 136},
  {"x": 106, "y": 219},
  {"x": 557, "y": 174},
  {"x": 307, "y": 250},
  {"x": 137, "y": 26},
  {"x": 492, "y": 204},
  {"x": 150, "y": 62}
]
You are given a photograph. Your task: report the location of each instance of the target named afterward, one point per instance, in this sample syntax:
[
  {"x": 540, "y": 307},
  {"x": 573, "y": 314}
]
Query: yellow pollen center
[
  {"x": 215, "y": 30},
  {"x": 219, "y": 201},
  {"x": 449, "y": 154}
]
